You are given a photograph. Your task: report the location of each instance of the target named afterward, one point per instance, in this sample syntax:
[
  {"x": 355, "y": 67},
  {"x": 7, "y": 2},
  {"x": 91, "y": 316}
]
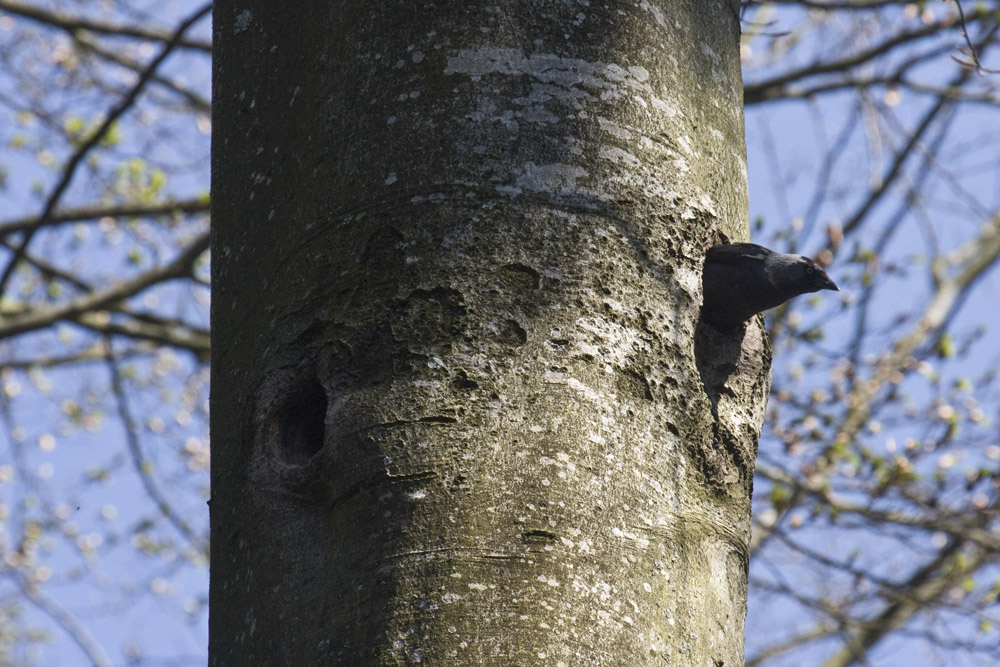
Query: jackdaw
[{"x": 743, "y": 279}]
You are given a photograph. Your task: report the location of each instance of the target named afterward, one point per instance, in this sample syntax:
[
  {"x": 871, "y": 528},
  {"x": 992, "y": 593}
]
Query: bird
[{"x": 740, "y": 280}]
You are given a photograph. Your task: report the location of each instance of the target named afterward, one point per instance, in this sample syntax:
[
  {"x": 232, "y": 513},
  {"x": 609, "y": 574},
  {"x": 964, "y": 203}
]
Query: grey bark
[{"x": 459, "y": 414}]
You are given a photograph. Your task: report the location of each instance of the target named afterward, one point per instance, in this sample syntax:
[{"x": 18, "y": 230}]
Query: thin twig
[
  {"x": 67, "y": 621},
  {"x": 972, "y": 49},
  {"x": 139, "y": 459}
]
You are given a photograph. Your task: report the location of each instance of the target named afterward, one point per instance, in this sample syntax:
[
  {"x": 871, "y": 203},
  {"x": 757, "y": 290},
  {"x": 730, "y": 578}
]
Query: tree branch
[
  {"x": 44, "y": 317},
  {"x": 96, "y": 211},
  {"x": 71, "y": 165},
  {"x": 71, "y": 24}
]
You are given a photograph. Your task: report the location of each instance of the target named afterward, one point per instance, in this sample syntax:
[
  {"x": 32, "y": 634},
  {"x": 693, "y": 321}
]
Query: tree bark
[{"x": 459, "y": 414}]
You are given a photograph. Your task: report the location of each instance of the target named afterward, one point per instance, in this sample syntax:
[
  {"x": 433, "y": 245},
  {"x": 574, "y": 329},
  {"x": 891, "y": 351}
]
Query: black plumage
[{"x": 740, "y": 280}]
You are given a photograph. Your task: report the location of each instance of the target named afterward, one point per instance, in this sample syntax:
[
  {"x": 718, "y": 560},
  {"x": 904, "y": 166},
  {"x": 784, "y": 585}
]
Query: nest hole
[{"x": 302, "y": 423}]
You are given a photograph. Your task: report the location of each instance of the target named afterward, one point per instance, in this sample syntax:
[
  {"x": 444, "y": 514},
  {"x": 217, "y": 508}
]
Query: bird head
[{"x": 797, "y": 274}]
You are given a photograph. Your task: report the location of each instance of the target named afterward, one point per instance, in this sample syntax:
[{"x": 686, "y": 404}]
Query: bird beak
[{"x": 825, "y": 283}]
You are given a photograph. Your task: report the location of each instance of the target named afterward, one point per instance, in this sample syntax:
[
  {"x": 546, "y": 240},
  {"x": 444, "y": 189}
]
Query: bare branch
[
  {"x": 946, "y": 299},
  {"x": 71, "y": 24},
  {"x": 772, "y": 88},
  {"x": 174, "y": 334},
  {"x": 40, "y": 318},
  {"x": 65, "y": 620},
  {"x": 925, "y": 586},
  {"x": 97, "y": 211},
  {"x": 973, "y": 54},
  {"x": 141, "y": 464},
  {"x": 196, "y": 101},
  {"x": 69, "y": 169}
]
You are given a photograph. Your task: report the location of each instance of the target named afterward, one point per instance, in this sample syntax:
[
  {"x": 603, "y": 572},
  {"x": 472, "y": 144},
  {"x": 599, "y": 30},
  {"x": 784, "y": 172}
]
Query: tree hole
[{"x": 302, "y": 423}]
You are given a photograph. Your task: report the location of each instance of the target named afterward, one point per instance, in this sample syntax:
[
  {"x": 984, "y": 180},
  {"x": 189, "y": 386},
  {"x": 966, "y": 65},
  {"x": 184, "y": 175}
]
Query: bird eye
[{"x": 810, "y": 270}]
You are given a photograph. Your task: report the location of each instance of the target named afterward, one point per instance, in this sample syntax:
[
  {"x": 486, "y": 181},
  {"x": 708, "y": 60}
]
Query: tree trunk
[{"x": 457, "y": 412}]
